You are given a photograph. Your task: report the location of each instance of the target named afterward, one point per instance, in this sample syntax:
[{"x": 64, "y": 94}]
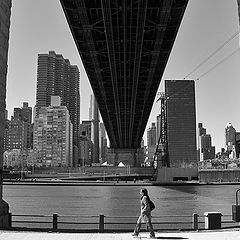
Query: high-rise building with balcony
[
  {"x": 57, "y": 77},
  {"x": 52, "y": 137}
]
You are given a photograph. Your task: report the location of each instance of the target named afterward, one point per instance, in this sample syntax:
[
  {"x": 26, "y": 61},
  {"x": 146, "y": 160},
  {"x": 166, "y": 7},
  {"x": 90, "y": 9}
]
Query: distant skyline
[{"x": 40, "y": 26}]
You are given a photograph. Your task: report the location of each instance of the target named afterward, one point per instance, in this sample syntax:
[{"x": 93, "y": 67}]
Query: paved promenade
[{"x": 202, "y": 235}]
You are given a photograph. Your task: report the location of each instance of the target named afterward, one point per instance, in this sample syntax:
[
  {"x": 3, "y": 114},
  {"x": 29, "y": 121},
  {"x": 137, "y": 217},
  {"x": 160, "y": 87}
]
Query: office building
[
  {"x": 18, "y": 131},
  {"x": 181, "y": 132},
  {"x": 94, "y": 118},
  {"x": 85, "y": 151},
  {"x": 52, "y": 138},
  {"x": 152, "y": 135},
  {"x": 230, "y": 137},
  {"x": 86, "y": 146},
  {"x": 102, "y": 143},
  {"x": 151, "y": 144},
  {"x": 57, "y": 77},
  {"x": 26, "y": 116},
  {"x": 205, "y": 148},
  {"x": 181, "y": 123}
]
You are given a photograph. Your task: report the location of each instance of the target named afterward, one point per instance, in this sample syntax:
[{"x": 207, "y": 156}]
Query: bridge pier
[
  {"x": 5, "y": 12},
  {"x": 131, "y": 157}
]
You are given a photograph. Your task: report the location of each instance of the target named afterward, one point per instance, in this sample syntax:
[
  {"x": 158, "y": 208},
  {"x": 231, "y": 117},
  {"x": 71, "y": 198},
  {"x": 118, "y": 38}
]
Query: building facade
[
  {"x": 205, "y": 148},
  {"x": 86, "y": 145},
  {"x": 181, "y": 123},
  {"x": 158, "y": 121},
  {"x": 230, "y": 137},
  {"x": 26, "y": 115},
  {"x": 152, "y": 135},
  {"x": 57, "y": 77},
  {"x": 18, "y": 131},
  {"x": 102, "y": 143},
  {"x": 52, "y": 137},
  {"x": 94, "y": 118}
]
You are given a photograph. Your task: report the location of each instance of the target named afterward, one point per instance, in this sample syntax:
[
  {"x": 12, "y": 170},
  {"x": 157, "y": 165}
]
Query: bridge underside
[{"x": 124, "y": 46}]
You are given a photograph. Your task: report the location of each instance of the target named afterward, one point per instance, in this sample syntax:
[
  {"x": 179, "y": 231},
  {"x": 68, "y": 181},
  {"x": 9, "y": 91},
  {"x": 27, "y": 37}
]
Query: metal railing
[{"x": 102, "y": 223}]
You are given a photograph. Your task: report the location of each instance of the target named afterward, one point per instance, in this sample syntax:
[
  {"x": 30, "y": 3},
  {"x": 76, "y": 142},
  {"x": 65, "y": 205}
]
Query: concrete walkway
[{"x": 202, "y": 235}]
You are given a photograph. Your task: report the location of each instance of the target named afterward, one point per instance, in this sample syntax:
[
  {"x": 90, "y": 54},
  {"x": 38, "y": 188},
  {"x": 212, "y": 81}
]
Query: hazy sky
[{"x": 38, "y": 26}]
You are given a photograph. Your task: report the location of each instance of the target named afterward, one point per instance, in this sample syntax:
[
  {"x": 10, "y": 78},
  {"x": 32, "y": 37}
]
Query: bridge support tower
[{"x": 5, "y": 12}]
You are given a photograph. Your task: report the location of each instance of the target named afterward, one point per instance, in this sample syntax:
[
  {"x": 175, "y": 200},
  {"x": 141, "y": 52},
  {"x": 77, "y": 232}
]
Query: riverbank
[
  {"x": 77, "y": 183},
  {"x": 59, "y": 182}
]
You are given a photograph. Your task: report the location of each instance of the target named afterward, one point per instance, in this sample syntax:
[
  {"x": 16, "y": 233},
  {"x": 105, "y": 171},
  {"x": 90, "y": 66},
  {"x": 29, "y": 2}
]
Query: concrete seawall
[{"x": 219, "y": 175}]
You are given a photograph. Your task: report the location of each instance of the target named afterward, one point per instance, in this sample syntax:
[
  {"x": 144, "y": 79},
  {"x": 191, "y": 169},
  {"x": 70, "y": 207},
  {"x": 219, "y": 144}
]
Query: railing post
[
  {"x": 55, "y": 222},
  {"x": 9, "y": 220},
  {"x": 195, "y": 221},
  {"x": 101, "y": 223}
]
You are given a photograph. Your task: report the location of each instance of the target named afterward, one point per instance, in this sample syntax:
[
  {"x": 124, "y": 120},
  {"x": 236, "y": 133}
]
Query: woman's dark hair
[{"x": 144, "y": 191}]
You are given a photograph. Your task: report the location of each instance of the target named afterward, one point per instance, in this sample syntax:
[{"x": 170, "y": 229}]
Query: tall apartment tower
[
  {"x": 94, "y": 117},
  {"x": 52, "y": 138},
  {"x": 57, "y": 77},
  {"x": 181, "y": 131}
]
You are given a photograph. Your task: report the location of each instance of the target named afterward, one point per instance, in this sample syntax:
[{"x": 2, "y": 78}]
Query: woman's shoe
[
  {"x": 134, "y": 234},
  {"x": 152, "y": 236}
]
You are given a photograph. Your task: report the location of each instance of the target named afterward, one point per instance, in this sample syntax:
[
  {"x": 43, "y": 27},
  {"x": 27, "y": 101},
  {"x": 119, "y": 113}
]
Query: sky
[{"x": 207, "y": 29}]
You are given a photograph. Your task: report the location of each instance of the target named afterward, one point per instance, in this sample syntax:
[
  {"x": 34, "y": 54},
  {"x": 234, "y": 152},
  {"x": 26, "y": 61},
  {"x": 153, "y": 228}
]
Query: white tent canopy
[
  {"x": 121, "y": 164},
  {"x": 105, "y": 164}
]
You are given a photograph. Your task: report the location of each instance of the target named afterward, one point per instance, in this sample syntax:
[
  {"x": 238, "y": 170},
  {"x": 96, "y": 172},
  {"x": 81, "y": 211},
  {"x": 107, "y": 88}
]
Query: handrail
[{"x": 103, "y": 221}]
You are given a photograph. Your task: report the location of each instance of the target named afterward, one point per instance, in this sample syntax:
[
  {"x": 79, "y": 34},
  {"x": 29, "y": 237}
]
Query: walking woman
[{"x": 145, "y": 216}]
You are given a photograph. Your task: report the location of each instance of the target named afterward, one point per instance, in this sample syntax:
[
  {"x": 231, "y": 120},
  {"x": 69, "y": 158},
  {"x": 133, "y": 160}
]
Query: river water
[{"x": 118, "y": 200}]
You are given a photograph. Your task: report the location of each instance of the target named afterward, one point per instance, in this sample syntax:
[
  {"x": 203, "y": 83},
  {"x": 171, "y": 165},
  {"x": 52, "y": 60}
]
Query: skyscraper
[
  {"x": 230, "y": 137},
  {"x": 57, "y": 77},
  {"x": 205, "y": 148},
  {"x": 181, "y": 123},
  {"x": 181, "y": 132},
  {"x": 181, "y": 155}
]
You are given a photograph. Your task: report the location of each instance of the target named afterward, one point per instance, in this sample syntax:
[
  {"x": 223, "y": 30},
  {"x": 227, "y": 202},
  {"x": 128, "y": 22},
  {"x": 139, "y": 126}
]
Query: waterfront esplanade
[{"x": 124, "y": 46}]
